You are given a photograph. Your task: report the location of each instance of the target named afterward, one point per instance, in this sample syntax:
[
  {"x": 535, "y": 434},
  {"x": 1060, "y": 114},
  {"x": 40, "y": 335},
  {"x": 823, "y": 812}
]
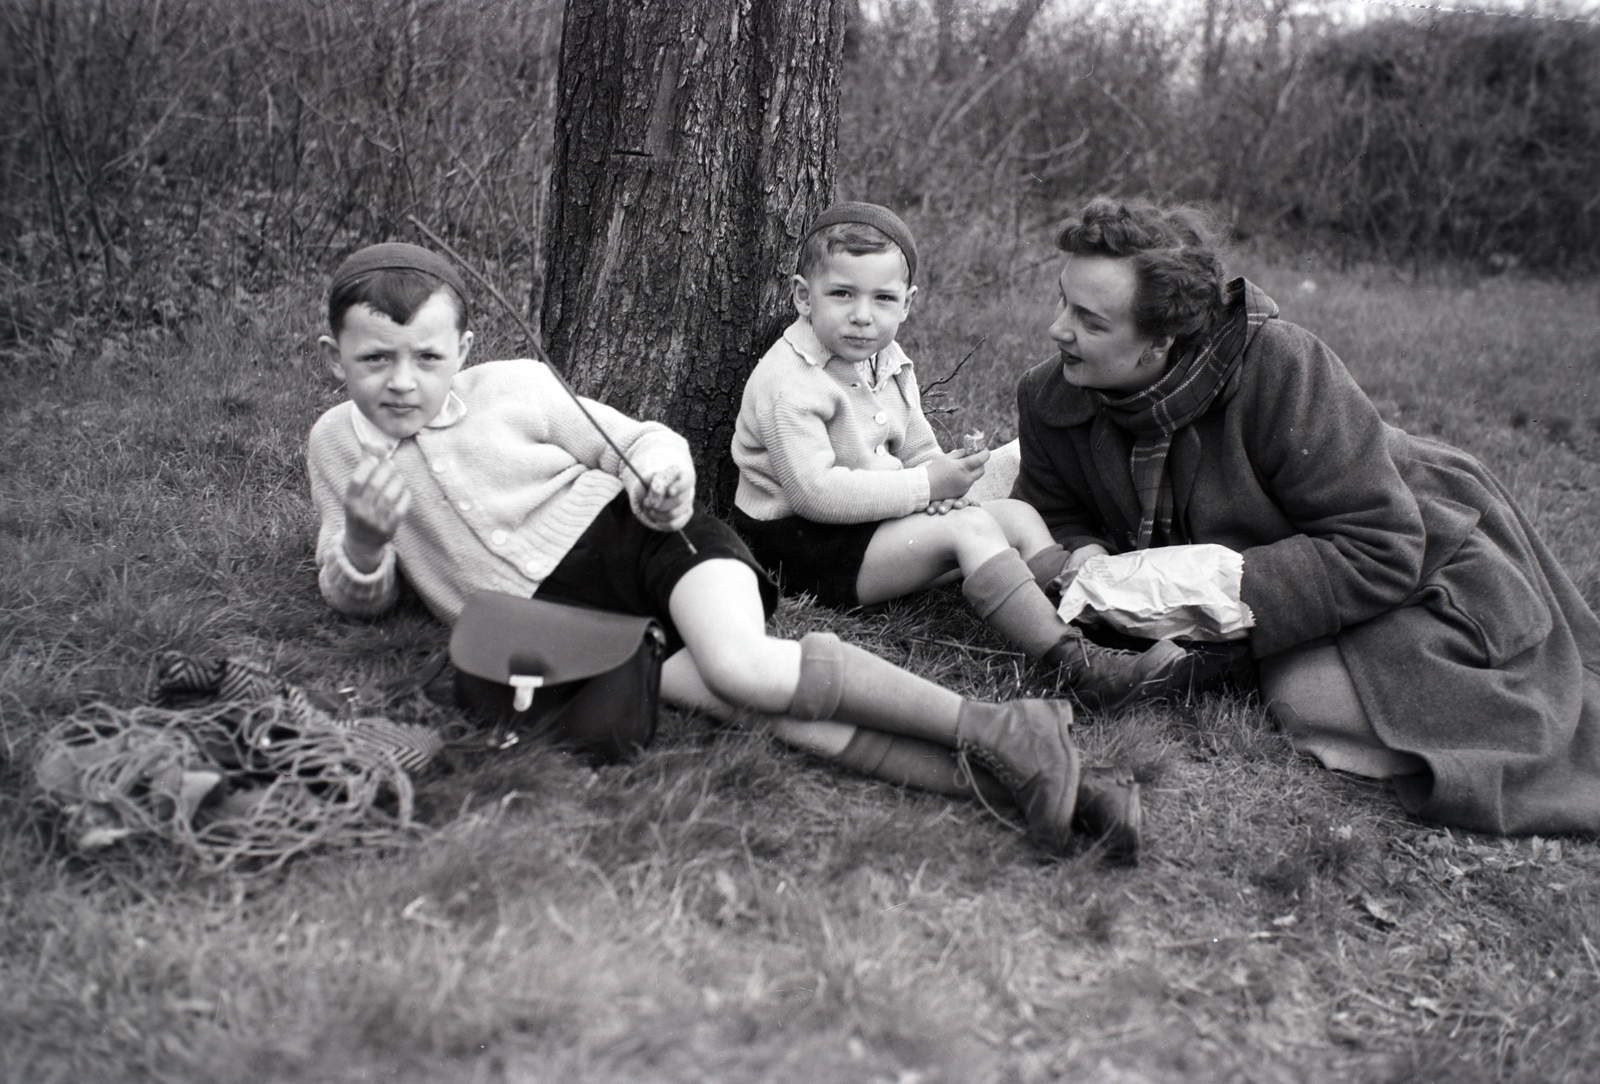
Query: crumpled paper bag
[{"x": 1174, "y": 592}]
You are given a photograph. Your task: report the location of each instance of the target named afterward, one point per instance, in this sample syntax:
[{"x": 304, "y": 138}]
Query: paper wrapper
[
  {"x": 1174, "y": 592},
  {"x": 975, "y": 441}
]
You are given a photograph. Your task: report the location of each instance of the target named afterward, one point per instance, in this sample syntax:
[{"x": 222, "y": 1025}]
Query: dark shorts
[
  {"x": 619, "y": 564},
  {"x": 821, "y": 558}
]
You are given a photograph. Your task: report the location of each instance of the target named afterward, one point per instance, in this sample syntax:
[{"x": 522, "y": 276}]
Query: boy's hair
[
  {"x": 856, "y": 238},
  {"x": 396, "y": 294},
  {"x": 396, "y": 279},
  {"x": 859, "y": 229}
]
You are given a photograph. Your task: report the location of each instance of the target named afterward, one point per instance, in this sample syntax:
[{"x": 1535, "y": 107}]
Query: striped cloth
[
  {"x": 1162, "y": 412},
  {"x": 185, "y": 679}
]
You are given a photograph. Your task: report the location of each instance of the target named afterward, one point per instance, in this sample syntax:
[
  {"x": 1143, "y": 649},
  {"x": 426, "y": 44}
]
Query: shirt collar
[
  {"x": 375, "y": 441},
  {"x": 802, "y": 339}
]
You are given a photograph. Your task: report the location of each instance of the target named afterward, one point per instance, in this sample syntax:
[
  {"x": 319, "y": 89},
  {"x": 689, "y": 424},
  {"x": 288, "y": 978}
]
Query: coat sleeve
[
  {"x": 1319, "y": 448},
  {"x": 1073, "y": 522}
]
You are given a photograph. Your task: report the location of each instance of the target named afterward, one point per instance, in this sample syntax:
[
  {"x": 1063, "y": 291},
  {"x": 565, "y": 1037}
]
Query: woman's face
[{"x": 1100, "y": 347}]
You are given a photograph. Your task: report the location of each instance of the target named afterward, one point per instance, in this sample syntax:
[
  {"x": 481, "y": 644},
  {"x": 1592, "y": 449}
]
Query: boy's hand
[
  {"x": 952, "y": 474},
  {"x": 668, "y": 502},
  {"x": 375, "y": 502},
  {"x": 939, "y": 508}
]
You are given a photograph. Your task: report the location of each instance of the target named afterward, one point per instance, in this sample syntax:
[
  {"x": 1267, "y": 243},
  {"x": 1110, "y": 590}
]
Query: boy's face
[
  {"x": 399, "y": 375},
  {"x": 856, "y": 303}
]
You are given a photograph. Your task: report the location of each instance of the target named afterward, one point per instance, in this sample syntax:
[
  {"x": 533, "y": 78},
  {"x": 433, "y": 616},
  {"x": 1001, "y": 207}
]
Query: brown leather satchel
[{"x": 589, "y": 680}]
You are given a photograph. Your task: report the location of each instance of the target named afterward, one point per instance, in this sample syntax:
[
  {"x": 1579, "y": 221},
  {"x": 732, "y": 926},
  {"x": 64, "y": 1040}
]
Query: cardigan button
[
  {"x": 881, "y": 450},
  {"x": 465, "y": 506},
  {"x": 498, "y": 538},
  {"x": 440, "y": 467},
  {"x": 881, "y": 417}
]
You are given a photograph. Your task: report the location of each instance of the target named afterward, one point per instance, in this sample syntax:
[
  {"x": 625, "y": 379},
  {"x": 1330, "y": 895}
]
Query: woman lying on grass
[{"x": 1409, "y": 623}]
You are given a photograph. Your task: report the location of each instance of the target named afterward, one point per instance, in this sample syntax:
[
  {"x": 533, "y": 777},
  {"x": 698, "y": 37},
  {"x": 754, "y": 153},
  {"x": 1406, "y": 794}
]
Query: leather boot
[
  {"x": 1025, "y": 745},
  {"x": 1109, "y": 810},
  {"x": 1108, "y": 678}
]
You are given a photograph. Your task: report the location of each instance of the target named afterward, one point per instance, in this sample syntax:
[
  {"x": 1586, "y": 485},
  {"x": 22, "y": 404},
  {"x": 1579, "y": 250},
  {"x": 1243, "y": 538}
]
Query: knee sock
[
  {"x": 1003, "y": 592},
  {"x": 842, "y": 682},
  {"x": 1047, "y": 564},
  {"x": 922, "y": 764}
]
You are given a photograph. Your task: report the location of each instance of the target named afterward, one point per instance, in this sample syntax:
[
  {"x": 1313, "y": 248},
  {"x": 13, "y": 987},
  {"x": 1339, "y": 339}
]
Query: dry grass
[{"x": 723, "y": 909}]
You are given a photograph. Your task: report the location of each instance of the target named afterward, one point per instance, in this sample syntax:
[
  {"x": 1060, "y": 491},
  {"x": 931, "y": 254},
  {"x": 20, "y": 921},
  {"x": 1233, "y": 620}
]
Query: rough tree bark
[{"x": 694, "y": 139}]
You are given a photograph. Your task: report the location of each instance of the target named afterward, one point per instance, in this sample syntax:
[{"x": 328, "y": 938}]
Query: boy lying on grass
[
  {"x": 844, "y": 491},
  {"x": 491, "y": 478}
]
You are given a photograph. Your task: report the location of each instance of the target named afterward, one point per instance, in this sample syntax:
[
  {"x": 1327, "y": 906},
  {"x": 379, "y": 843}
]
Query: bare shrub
[{"x": 151, "y": 147}]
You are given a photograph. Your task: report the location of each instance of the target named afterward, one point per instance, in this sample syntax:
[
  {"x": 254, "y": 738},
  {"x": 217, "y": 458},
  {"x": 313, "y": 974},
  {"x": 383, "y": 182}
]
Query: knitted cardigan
[
  {"x": 500, "y": 489},
  {"x": 817, "y": 439}
]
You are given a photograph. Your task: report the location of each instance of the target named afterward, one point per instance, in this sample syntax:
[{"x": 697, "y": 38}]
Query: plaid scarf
[{"x": 1190, "y": 387}]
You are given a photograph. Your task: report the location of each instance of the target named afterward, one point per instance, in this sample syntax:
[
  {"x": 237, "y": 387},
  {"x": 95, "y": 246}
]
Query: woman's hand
[
  {"x": 375, "y": 503},
  {"x": 952, "y": 474},
  {"x": 1069, "y": 572},
  {"x": 1083, "y": 553},
  {"x": 939, "y": 508},
  {"x": 668, "y": 502}
]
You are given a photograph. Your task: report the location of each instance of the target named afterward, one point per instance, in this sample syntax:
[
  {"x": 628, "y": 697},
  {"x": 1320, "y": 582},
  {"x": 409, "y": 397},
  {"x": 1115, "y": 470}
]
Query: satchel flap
[{"x": 498, "y": 635}]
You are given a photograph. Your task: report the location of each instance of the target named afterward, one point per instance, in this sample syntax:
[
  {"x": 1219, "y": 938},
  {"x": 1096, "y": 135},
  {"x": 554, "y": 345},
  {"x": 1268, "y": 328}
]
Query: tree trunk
[{"x": 694, "y": 140}]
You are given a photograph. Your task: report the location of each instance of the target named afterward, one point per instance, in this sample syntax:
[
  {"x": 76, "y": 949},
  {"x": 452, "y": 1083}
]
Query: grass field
[{"x": 723, "y": 909}]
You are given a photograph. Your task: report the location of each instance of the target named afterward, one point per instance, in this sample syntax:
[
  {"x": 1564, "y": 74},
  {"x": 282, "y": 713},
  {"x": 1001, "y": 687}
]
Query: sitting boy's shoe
[
  {"x": 1109, "y": 811},
  {"x": 1024, "y": 744},
  {"x": 1108, "y": 678}
]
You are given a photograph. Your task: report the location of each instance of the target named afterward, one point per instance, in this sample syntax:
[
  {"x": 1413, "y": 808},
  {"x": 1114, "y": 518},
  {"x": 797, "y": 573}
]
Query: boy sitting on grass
[
  {"x": 491, "y": 478},
  {"x": 844, "y": 491}
]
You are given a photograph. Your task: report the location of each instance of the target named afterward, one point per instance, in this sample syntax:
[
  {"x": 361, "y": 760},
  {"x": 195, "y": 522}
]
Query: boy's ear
[
  {"x": 330, "y": 354},
  {"x": 466, "y": 345},
  {"x": 802, "y": 295},
  {"x": 910, "y": 296}
]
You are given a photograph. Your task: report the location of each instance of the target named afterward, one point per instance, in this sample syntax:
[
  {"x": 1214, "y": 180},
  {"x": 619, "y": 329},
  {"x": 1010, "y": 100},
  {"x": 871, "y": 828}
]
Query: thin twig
[
  {"x": 538, "y": 353},
  {"x": 951, "y": 375}
]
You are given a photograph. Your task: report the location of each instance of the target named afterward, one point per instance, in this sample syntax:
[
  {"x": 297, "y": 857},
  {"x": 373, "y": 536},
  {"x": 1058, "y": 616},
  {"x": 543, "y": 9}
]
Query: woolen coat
[{"x": 1468, "y": 644}]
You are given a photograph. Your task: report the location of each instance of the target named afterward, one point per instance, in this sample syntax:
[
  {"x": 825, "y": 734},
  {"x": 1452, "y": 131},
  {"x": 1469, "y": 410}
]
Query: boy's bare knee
[
  {"x": 974, "y": 528},
  {"x": 740, "y": 671}
]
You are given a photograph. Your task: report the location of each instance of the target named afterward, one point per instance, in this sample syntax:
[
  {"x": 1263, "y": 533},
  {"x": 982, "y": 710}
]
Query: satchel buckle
[{"x": 525, "y": 684}]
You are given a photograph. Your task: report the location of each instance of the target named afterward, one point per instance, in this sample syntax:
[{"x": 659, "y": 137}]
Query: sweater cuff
[
  {"x": 1286, "y": 586},
  {"x": 921, "y": 489},
  {"x": 349, "y": 590}
]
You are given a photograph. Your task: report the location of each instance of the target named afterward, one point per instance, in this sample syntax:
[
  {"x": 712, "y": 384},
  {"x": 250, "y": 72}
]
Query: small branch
[{"x": 951, "y": 375}]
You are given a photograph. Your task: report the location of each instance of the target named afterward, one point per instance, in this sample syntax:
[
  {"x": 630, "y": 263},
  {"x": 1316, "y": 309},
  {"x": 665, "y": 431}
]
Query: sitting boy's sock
[
  {"x": 1047, "y": 564},
  {"x": 1003, "y": 592},
  {"x": 922, "y": 764}
]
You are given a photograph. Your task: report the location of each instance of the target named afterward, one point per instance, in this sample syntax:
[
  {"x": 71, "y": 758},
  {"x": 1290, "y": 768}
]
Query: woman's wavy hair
[{"x": 1180, "y": 282}]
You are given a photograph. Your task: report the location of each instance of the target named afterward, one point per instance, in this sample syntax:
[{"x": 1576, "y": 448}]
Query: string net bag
[{"x": 244, "y": 782}]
